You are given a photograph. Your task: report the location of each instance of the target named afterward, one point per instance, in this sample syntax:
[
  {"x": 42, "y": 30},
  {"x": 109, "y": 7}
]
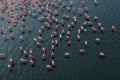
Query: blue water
[{"x": 78, "y": 67}]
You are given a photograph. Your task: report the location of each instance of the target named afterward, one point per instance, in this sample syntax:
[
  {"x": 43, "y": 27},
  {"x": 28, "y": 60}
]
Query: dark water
[{"x": 78, "y": 67}]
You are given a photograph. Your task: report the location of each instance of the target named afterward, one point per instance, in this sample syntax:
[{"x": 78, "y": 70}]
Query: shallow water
[{"x": 78, "y": 67}]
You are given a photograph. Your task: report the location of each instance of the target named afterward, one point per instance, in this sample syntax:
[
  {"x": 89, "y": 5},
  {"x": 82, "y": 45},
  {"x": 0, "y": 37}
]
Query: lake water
[{"x": 78, "y": 67}]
